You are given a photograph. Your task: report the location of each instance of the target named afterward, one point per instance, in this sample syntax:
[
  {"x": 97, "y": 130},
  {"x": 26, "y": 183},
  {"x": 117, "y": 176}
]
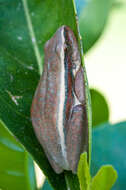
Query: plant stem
[{"x": 72, "y": 181}]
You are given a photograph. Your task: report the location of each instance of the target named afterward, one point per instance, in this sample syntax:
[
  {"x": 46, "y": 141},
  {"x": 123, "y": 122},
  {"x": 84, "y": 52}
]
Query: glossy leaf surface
[
  {"x": 26, "y": 26},
  {"x": 16, "y": 165}
]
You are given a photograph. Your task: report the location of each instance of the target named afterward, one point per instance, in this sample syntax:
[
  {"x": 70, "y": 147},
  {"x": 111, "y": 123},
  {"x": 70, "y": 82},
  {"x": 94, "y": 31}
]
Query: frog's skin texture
[{"x": 58, "y": 109}]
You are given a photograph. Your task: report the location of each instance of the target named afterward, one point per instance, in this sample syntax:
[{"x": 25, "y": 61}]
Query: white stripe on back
[{"x": 62, "y": 102}]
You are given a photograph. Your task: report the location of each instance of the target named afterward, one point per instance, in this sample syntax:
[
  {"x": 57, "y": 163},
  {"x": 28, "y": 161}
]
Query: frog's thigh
[{"x": 75, "y": 139}]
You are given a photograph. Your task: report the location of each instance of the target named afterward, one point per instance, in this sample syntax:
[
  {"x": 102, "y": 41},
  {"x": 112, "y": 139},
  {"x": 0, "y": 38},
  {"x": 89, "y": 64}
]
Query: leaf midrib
[{"x": 32, "y": 35}]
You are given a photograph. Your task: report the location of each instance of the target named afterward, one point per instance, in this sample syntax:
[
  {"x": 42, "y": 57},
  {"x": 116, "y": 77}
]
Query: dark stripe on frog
[{"x": 68, "y": 80}]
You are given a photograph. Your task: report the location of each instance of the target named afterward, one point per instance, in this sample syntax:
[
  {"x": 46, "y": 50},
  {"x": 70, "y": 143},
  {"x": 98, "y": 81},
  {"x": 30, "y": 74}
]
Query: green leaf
[
  {"x": 26, "y": 26},
  {"x": 92, "y": 21},
  {"x": 71, "y": 180},
  {"x": 16, "y": 165},
  {"x": 46, "y": 186},
  {"x": 104, "y": 179},
  {"x": 109, "y": 146},
  {"x": 100, "y": 108},
  {"x": 84, "y": 172}
]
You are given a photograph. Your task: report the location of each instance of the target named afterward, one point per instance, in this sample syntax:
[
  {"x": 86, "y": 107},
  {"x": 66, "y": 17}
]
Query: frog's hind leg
[{"x": 77, "y": 136}]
